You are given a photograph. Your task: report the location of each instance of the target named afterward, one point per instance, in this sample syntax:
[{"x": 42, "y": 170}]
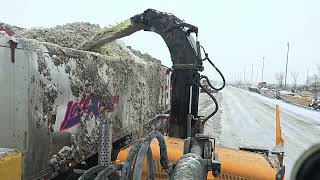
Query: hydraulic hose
[
  {"x": 223, "y": 80},
  {"x": 214, "y": 100},
  {"x": 145, "y": 149},
  {"x": 91, "y": 173},
  {"x": 150, "y": 164},
  {"x": 104, "y": 175},
  {"x": 209, "y": 83},
  {"x": 126, "y": 168},
  {"x": 164, "y": 161},
  {"x": 217, "y": 69},
  {"x": 141, "y": 149}
]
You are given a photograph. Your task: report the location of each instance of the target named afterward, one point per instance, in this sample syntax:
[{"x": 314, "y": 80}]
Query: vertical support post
[
  {"x": 189, "y": 119},
  {"x": 307, "y": 77},
  {"x": 251, "y": 74},
  {"x": 285, "y": 80},
  {"x": 190, "y": 100},
  {"x": 244, "y": 75},
  {"x": 279, "y": 139},
  {"x": 279, "y": 149},
  {"x": 262, "y": 69},
  {"x": 140, "y": 127},
  {"x": 257, "y": 74}
]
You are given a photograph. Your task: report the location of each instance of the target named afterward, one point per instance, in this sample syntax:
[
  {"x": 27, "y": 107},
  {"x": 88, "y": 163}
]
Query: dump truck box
[{"x": 52, "y": 97}]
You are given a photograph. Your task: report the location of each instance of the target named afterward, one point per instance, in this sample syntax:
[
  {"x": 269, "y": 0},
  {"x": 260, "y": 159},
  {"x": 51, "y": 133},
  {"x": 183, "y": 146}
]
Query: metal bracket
[
  {"x": 186, "y": 146},
  {"x": 105, "y": 146},
  {"x": 13, "y": 46},
  {"x": 215, "y": 168},
  {"x": 187, "y": 67},
  {"x": 209, "y": 156}
]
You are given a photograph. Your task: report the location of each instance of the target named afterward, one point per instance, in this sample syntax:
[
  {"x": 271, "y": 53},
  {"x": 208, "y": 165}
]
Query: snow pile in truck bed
[
  {"x": 71, "y": 35},
  {"x": 16, "y": 29}
]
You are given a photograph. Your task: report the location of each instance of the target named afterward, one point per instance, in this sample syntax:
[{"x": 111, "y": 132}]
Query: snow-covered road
[{"x": 248, "y": 119}]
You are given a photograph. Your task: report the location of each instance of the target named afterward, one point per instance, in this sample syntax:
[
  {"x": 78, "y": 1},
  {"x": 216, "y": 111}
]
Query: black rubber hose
[
  {"x": 145, "y": 149},
  {"x": 207, "y": 79},
  {"x": 217, "y": 69},
  {"x": 104, "y": 175},
  {"x": 150, "y": 164},
  {"x": 163, "y": 150},
  {"x": 214, "y": 100},
  {"x": 223, "y": 80},
  {"x": 126, "y": 168},
  {"x": 91, "y": 173}
]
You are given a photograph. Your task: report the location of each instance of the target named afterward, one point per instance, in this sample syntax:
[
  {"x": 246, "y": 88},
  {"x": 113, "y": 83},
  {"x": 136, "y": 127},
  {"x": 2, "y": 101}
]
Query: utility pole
[
  {"x": 285, "y": 80},
  {"x": 257, "y": 74},
  {"x": 308, "y": 77},
  {"x": 251, "y": 73},
  {"x": 244, "y": 75},
  {"x": 262, "y": 69}
]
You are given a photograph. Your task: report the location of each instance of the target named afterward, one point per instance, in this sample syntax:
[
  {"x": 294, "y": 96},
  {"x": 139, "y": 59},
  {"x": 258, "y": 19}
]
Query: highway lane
[{"x": 248, "y": 119}]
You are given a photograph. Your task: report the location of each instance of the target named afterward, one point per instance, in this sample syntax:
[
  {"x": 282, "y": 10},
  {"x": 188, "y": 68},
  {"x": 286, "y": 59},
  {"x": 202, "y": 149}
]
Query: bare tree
[
  {"x": 295, "y": 79},
  {"x": 280, "y": 78},
  {"x": 315, "y": 82}
]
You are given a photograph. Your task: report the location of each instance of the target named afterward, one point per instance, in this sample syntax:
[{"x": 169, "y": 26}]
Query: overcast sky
[{"x": 235, "y": 33}]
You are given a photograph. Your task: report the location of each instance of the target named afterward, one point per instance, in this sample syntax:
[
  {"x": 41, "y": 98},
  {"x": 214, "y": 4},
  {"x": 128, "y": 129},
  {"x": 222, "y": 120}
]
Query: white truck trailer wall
[{"x": 49, "y": 90}]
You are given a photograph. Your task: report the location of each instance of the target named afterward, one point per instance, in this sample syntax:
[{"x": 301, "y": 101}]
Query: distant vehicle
[
  {"x": 253, "y": 89},
  {"x": 262, "y": 84},
  {"x": 287, "y": 93},
  {"x": 315, "y": 102},
  {"x": 277, "y": 95}
]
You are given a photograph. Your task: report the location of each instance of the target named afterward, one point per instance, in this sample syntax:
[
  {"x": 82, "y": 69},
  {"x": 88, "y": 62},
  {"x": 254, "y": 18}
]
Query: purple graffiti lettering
[
  {"x": 90, "y": 105},
  {"x": 73, "y": 111},
  {"x": 66, "y": 116},
  {"x": 85, "y": 106}
]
